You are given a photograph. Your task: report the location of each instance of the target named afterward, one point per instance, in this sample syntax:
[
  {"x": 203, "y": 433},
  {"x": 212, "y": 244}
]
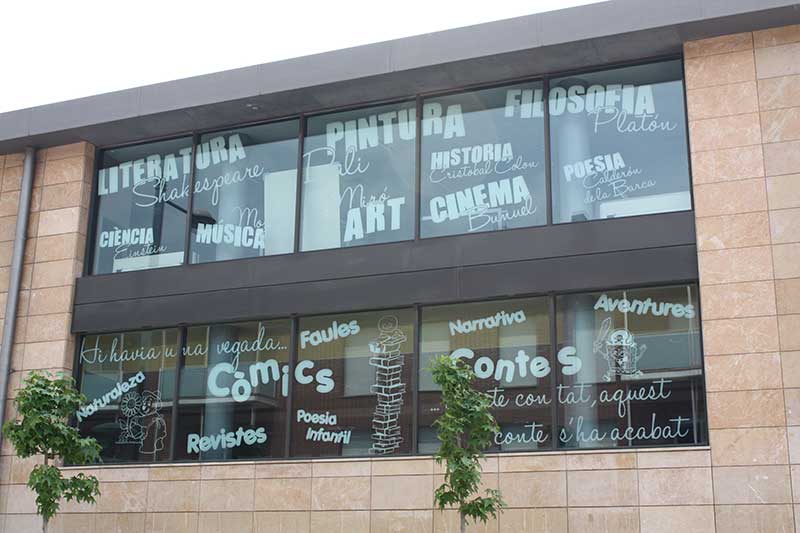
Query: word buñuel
[
  {"x": 196, "y": 443},
  {"x": 114, "y": 394}
]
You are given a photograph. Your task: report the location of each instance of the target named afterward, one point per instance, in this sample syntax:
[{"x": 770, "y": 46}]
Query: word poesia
[
  {"x": 238, "y": 236},
  {"x": 114, "y": 394},
  {"x": 470, "y": 155},
  {"x": 126, "y": 236},
  {"x": 633, "y": 99},
  {"x": 325, "y": 435},
  {"x": 473, "y": 199},
  {"x": 326, "y": 418},
  {"x": 226, "y": 439},
  {"x": 331, "y": 333},
  {"x": 642, "y": 307},
  {"x": 593, "y": 165},
  {"x": 490, "y": 322},
  {"x": 241, "y": 388}
]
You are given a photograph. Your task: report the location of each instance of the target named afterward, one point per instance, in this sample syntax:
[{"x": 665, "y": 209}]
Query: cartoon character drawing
[
  {"x": 141, "y": 421},
  {"x": 620, "y": 350},
  {"x": 388, "y": 386}
]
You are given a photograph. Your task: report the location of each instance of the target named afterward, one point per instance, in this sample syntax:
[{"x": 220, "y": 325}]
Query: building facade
[{"x": 249, "y": 273}]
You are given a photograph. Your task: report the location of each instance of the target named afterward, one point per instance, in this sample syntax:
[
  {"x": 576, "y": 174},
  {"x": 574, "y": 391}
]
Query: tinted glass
[
  {"x": 483, "y": 163},
  {"x": 245, "y": 193},
  {"x": 358, "y": 177},
  {"x": 618, "y": 143}
]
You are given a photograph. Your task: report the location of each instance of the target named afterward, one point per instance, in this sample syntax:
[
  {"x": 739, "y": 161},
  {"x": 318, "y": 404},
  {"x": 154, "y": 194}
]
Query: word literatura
[{"x": 225, "y": 439}]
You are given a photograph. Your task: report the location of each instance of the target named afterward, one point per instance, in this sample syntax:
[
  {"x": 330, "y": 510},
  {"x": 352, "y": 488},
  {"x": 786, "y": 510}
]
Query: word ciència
[
  {"x": 196, "y": 443},
  {"x": 224, "y": 379}
]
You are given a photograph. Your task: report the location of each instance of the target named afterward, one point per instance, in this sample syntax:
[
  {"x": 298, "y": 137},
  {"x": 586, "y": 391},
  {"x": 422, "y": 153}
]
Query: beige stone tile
[
  {"x": 114, "y": 474},
  {"x": 283, "y": 494},
  {"x": 340, "y": 468},
  {"x": 20, "y": 500},
  {"x": 724, "y": 132},
  {"x": 745, "y": 409},
  {"x": 721, "y": 101},
  {"x": 738, "y": 300},
  {"x": 50, "y": 300},
  {"x": 174, "y": 473},
  {"x": 787, "y": 294},
  {"x": 601, "y": 461},
  {"x": 602, "y": 488},
  {"x": 780, "y": 125},
  {"x": 340, "y": 521},
  {"x": 740, "y": 335},
  {"x": 532, "y": 463},
  {"x": 792, "y": 400},
  {"x": 296, "y": 469},
  {"x": 120, "y": 522},
  {"x": 228, "y": 471},
  {"x": 225, "y": 522},
  {"x": 22, "y": 467},
  {"x": 752, "y": 484},
  {"x": 69, "y": 523},
  {"x": 59, "y": 221},
  {"x": 719, "y": 69},
  {"x": 736, "y": 265},
  {"x": 754, "y": 518},
  {"x": 448, "y": 522},
  {"x": 743, "y": 372},
  {"x": 789, "y": 327},
  {"x": 657, "y": 486},
  {"x": 23, "y": 523},
  {"x": 727, "y": 165},
  {"x": 171, "y": 523},
  {"x": 282, "y": 522},
  {"x": 730, "y": 197},
  {"x": 733, "y": 231},
  {"x": 793, "y": 437},
  {"x": 604, "y": 519},
  {"x": 777, "y": 36},
  {"x": 8, "y": 226},
  {"x": 401, "y": 522},
  {"x": 779, "y": 93},
  {"x": 55, "y": 273},
  {"x": 777, "y": 61},
  {"x": 402, "y": 492},
  {"x": 782, "y": 158},
  {"x": 341, "y": 493},
  {"x": 48, "y": 327},
  {"x": 735, "y": 42},
  {"x": 676, "y": 458},
  {"x": 684, "y": 518},
  {"x": 749, "y": 446},
  {"x": 124, "y": 497},
  {"x": 63, "y": 195},
  {"x": 66, "y": 170},
  {"x": 226, "y": 495},
  {"x": 173, "y": 496},
  {"x": 534, "y": 520},
  {"x": 394, "y": 467},
  {"x": 59, "y": 247},
  {"x": 529, "y": 489},
  {"x": 9, "y": 204},
  {"x": 786, "y": 259},
  {"x": 790, "y": 363}
]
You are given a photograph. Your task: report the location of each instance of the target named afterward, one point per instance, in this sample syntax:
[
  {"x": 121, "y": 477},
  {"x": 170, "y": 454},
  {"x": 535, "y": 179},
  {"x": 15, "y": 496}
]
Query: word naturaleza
[{"x": 114, "y": 394}]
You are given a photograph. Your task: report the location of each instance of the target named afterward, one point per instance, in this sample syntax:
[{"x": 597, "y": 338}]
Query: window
[
  {"x": 483, "y": 162},
  {"x": 507, "y": 343},
  {"x": 233, "y": 391},
  {"x": 358, "y": 177},
  {"x": 129, "y": 381},
  {"x": 638, "y": 379},
  {"x": 356, "y": 395},
  {"x": 618, "y": 143},
  {"x": 141, "y": 209},
  {"x": 245, "y": 193}
]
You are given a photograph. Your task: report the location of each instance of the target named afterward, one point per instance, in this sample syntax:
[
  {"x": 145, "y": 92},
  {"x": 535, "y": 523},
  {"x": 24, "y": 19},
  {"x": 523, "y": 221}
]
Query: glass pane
[
  {"x": 483, "y": 162},
  {"x": 358, "y": 177},
  {"x": 354, "y": 395},
  {"x": 245, "y": 193},
  {"x": 639, "y": 374},
  {"x": 234, "y": 385},
  {"x": 618, "y": 143},
  {"x": 141, "y": 206},
  {"x": 507, "y": 343},
  {"x": 129, "y": 379}
]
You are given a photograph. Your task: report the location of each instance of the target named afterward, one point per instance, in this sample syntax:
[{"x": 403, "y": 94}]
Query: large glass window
[
  {"x": 618, "y": 143},
  {"x": 637, "y": 373},
  {"x": 233, "y": 391},
  {"x": 142, "y": 197},
  {"x": 483, "y": 162},
  {"x": 358, "y": 177},
  {"x": 245, "y": 193},
  {"x": 507, "y": 343},
  {"x": 129, "y": 381},
  {"x": 355, "y": 394}
]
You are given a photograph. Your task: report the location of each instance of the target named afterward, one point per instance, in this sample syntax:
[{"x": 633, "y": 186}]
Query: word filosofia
[
  {"x": 333, "y": 332},
  {"x": 482, "y": 196},
  {"x": 496, "y": 320},
  {"x": 114, "y": 394},
  {"x": 521, "y": 366},
  {"x": 127, "y": 236},
  {"x": 593, "y": 165},
  {"x": 240, "y": 387},
  {"x": 196, "y": 443},
  {"x": 632, "y": 99},
  {"x": 642, "y": 307},
  {"x": 237, "y": 236}
]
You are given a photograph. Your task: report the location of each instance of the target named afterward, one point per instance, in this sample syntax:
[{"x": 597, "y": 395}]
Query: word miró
[
  {"x": 196, "y": 443},
  {"x": 114, "y": 394},
  {"x": 265, "y": 372},
  {"x": 322, "y": 434},
  {"x": 642, "y": 307},
  {"x": 331, "y": 333}
]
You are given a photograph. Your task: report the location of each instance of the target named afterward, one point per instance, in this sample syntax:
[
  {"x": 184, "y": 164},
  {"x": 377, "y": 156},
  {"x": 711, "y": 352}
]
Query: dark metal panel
[
  {"x": 652, "y": 231},
  {"x": 608, "y": 270}
]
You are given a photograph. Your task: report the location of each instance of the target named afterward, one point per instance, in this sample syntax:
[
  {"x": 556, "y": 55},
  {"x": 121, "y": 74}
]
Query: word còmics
[
  {"x": 643, "y": 307},
  {"x": 240, "y": 385},
  {"x": 114, "y": 394},
  {"x": 196, "y": 443}
]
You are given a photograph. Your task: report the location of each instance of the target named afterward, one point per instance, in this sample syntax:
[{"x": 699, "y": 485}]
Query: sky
[{"x": 55, "y": 50}]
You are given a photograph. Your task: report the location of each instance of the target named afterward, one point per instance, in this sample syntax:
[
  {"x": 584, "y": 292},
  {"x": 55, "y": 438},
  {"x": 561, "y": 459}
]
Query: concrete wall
[{"x": 744, "y": 109}]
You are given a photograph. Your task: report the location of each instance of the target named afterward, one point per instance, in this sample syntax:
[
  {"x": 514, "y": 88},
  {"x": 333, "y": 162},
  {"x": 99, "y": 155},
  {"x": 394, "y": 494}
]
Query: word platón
[
  {"x": 225, "y": 439},
  {"x": 114, "y": 394},
  {"x": 490, "y": 322},
  {"x": 331, "y": 333},
  {"x": 642, "y": 307}
]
